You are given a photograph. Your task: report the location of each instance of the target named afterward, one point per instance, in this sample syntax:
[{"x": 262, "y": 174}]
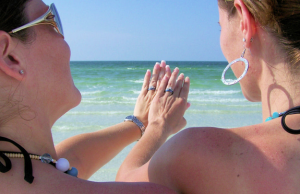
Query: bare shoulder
[
  {"x": 248, "y": 159},
  {"x": 49, "y": 180},
  {"x": 202, "y": 141},
  {"x": 83, "y": 186},
  {"x": 193, "y": 160},
  {"x": 182, "y": 162},
  {"x": 74, "y": 185}
]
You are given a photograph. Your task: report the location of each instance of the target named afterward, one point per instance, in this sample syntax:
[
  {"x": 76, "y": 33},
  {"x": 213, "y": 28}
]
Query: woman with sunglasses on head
[
  {"x": 37, "y": 89},
  {"x": 261, "y": 40}
]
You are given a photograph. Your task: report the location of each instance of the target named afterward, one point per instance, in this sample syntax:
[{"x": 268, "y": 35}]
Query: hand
[
  {"x": 146, "y": 96},
  {"x": 167, "y": 109}
]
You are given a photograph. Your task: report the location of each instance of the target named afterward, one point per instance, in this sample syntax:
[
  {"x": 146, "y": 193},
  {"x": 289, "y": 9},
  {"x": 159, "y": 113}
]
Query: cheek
[
  {"x": 60, "y": 51},
  {"x": 224, "y": 46}
]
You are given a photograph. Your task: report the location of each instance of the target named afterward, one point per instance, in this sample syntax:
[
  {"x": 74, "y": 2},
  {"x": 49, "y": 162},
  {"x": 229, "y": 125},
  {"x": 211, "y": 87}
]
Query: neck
[
  {"x": 277, "y": 88},
  {"x": 278, "y": 93},
  {"x": 34, "y": 135}
]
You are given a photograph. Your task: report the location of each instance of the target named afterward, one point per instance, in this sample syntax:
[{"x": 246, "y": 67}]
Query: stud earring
[{"x": 21, "y": 72}]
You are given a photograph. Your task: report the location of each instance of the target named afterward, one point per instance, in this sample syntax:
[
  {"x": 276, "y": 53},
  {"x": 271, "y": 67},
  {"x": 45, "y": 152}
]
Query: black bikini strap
[
  {"x": 292, "y": 111},
  {"x": 28, "y": 165}
]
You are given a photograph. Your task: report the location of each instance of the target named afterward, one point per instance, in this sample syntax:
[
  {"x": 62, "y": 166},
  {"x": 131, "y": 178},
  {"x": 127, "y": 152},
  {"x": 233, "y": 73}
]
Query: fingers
[
  {"x": 168, "y": 71},
  {"x": 185, "y": 89},
  {"x": 162, "y": 72},
  {"x": 179, "y": 84},
  {"x": 154, "y": 79},
  {"x": 168, "y": 85},
  {"x": 188, "y": 105},
  {"x": 146, "y": 82},
  {"x": 172, "y": 82},
  {"x": 162, "y": 87}
]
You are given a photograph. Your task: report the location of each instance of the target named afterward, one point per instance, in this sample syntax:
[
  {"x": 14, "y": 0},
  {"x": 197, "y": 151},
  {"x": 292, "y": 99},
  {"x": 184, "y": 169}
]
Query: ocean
[{"x": 109, "y": 90}]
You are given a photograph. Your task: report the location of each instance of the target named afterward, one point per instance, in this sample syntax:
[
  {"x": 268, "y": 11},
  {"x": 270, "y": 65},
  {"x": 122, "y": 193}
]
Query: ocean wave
[
  {"x": 136, "y": 91},
  {"x": 222, "y": 100},
  {"x": 127, "y": 98},
  {"x": 97, "y": 113},
  {"x": 106, "y": 102},
  {"x": 74, "y": 127},
  {"x": 97, "y": 92},
  {"x": 233, "y": 105},
  {"x": 216, "y": 92},
  {"x": 198, "y": 111},
  {"x": 137, "y": 81}
]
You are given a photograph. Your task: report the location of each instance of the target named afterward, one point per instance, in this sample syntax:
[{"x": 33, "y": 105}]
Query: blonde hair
[{"x": 281, "y": 19}]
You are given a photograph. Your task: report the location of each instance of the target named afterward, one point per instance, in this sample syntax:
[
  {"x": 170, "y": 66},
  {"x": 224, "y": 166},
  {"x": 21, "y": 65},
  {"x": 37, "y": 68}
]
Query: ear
[
  {"x": 247, "y": 24},
  {"x": 9, "y": 60}
]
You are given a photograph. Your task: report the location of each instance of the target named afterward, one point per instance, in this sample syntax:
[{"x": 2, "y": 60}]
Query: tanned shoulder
[{"x": 188, "y": 159}]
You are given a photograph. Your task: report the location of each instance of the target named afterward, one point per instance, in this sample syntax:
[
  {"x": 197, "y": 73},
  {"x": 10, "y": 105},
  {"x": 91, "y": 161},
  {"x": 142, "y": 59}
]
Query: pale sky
[{"x": 139, "y": 30}]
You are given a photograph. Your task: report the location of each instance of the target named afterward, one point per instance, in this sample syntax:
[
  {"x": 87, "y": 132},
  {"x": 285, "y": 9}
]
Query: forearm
[
  {"x": 142, "y": 152},
  {"x": 165, "y": 118},
  {"x": 90, "y": 151}
]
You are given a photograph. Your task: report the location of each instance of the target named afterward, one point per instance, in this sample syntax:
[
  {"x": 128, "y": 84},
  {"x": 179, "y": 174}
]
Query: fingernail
[
  {"x": 168, "y": 66},
  {"x": 182, "y": 74},
  {"x": 163, "y": 61},
  {"x": 176, "y": 69},
  {"x": 157, "y": 63},
  {"x": 149, "y": 70}
]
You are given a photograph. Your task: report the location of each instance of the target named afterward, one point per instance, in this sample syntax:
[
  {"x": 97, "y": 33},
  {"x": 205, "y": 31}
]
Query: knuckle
[
  {"x": 153, "y": 80},
  {"x": 182, "y": 101}
]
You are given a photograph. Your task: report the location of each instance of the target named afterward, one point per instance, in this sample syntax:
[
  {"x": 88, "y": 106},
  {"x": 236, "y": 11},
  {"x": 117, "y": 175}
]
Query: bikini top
[
  {"x": 61, "y": 164},
  {"x": 28, "y": 165}
]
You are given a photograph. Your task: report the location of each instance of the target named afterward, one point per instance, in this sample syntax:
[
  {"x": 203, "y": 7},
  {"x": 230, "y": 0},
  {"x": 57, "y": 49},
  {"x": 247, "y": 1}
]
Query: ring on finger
[
  {"x": 152, "y": 88},
  {"x": 169, "y": 90}
]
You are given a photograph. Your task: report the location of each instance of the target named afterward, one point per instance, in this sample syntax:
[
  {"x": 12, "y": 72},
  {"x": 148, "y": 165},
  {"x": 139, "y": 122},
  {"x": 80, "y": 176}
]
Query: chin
[
  {"x": 251, "y": 98},
  {"x": 76, "y": 98},
  {"x": 71, "y": 100}
]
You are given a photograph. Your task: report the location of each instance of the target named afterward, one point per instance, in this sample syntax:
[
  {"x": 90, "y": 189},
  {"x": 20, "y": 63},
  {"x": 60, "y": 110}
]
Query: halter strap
[
  {"x": 292, "y": 111},
  {"x": 28, "y": 165}
]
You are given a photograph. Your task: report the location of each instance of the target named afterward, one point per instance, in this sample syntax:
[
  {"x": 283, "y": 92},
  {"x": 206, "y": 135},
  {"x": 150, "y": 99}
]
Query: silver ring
[
  {"x": 169, "y": 90},
  {"x": 152, "y": 88}
]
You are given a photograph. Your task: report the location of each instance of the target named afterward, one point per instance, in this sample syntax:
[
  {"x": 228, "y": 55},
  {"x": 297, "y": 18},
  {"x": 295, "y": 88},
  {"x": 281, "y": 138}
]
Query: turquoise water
[{"x": 109, "y": 90}]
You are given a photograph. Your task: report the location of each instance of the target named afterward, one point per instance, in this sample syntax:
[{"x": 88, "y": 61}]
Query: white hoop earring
[{"x": 226, "y": 82}]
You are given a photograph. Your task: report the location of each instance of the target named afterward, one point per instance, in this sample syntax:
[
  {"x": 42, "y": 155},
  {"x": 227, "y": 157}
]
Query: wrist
[
  {"x": 144, "y": 121},
  {"x": 135, "y": 120},
  {"x": 159, "y": 129}
]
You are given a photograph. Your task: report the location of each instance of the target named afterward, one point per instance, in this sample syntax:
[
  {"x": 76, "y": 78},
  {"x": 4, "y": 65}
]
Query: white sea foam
[
  {"x": 220, "y": 92},
  {"x": 136, "y": 91},
  {"x": 215, "y": 111},
  {"x": 91, "y": 93},
  {"x": 137, "y": 81},
  {"x": 222, "y": 100},
  {"x": 96, "y": 112},
  {"x": 130, "y": 99},
  {"x": 106, "y": 102}
]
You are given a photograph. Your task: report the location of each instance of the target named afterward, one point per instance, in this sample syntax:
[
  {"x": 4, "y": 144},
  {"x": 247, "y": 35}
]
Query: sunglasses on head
[{"x": 51, "y": 17}]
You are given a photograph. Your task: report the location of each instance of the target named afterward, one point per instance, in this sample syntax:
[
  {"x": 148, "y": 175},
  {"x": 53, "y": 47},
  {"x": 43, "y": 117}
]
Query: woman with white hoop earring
[{"x": 261, "y": 158}]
